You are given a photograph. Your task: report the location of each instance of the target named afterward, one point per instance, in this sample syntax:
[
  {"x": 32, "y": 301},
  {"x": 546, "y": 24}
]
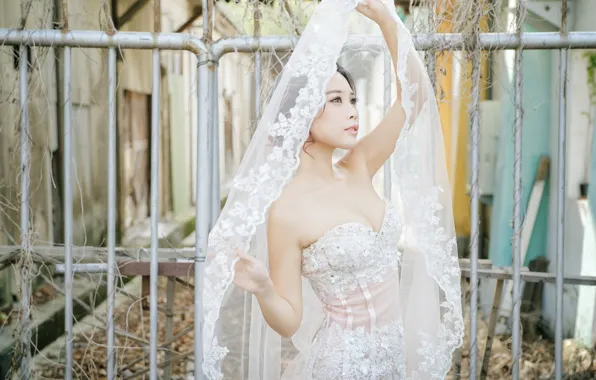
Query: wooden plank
[
  {"x": 134, "y": 158},
  {"x": 168, "y": 269},
  {"x": 482, "y": 263},
  {"x": 527, "y": 228}
]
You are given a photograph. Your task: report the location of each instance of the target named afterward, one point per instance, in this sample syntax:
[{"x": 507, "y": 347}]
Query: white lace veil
[{"x": 237, "y": 342}]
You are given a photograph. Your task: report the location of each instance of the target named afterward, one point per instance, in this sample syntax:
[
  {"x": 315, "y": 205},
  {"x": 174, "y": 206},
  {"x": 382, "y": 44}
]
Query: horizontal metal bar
[
  {"x": 134, "y": 268},
  {"x": 183, "y": 41},
  {"x": 186, "y": 255},
  {"x": 185, "y": 268},
  {"x": 99, "y": 39},
  {"x": 55, "y": 254},
  {"x": 438, "y": 41},
  {"x": 98, "y": 255},
  {"x": 527, "y": 276}
]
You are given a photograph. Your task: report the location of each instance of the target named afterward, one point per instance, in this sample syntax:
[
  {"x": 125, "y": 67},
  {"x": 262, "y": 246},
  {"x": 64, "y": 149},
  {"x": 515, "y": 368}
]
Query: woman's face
[{"x": 336, "y": 125}]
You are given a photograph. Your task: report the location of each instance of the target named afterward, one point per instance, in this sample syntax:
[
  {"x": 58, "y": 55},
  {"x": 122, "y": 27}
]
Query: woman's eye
[
  {"x": 335, "y": 100},
  {"x": 354, "y": 101}
]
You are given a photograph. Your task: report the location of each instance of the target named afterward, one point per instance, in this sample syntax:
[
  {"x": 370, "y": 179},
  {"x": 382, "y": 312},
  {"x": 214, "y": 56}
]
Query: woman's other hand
[
  {"x": 375, "y": 10},
  {"x": 252, "y": 275}
]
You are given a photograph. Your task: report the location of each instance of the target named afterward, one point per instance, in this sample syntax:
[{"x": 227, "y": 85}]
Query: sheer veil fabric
[{"x": 237, "y": 342}]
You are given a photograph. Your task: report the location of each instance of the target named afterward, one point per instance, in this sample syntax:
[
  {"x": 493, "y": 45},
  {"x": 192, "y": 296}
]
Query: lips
[{"x": 353, "y": 129}]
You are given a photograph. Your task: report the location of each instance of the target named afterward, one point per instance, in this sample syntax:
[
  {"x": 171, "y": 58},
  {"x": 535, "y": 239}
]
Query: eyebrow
[{"x": 338, "y": 92}]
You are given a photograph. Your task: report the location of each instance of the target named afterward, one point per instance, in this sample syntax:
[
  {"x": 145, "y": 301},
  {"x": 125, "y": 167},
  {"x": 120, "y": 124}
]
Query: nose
[{"x": 353, "y": 113}]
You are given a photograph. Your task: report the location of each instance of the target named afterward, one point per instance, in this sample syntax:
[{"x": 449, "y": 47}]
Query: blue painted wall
[{"x": 535, "y": 143}]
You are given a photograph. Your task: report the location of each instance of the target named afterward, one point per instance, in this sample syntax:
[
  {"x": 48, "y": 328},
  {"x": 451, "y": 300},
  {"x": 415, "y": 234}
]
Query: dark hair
[
  {"x": 344, "y": 73},
  {"x": 348, "y": 77}
]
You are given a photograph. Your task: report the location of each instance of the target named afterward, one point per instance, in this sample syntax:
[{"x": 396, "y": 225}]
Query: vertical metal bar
[
  {"x": 474, "y": 215},
  {"x": 167, "y": 374},
  {"x": 68, "y": 274},
  {"x": 431, "y": 58},
  {"x": 202, "y": 196},
  {"x": 215, "y": 190},
  {"x": 386, "y": 103},
  {"x": 111, "y": 351},
  {"x": 257, "y": 94},
  {"x": 155, "y": 123},
  {"x": 202, "y": 204},
  {"x": 25, "y": 235},
  {"x": 561, "y": 197},
  {"x": 517, "y": 191},
  {"x": 257, "y": 68},
  {"x": 431, "y": 63},
  {"x": 207, "y": 27}
]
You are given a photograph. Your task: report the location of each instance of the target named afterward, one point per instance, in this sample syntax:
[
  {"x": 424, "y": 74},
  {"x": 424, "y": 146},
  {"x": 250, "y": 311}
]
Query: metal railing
[{"x": 207, "y": 180}]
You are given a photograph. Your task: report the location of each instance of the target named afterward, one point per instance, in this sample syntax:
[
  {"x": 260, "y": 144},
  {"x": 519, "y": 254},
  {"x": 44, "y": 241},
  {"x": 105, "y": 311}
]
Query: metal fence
[{"x": 207, "y": 178}]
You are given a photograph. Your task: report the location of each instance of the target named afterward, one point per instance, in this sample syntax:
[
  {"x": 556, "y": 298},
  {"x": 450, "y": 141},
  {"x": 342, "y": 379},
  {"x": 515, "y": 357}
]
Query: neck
[{"x": 317, "y": 164}]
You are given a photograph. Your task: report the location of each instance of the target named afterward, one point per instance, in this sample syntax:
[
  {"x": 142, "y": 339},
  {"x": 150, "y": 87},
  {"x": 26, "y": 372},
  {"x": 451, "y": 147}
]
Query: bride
[{"x": 365, "y": 287}]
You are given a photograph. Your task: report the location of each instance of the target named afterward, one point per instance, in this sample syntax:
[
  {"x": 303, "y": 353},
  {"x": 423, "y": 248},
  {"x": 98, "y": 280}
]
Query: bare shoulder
[{"x": 284, "y": 212}]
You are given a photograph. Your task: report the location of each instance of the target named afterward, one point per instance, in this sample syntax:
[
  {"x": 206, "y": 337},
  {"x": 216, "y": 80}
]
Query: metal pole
[
  {"x": 561, "y": 197},
  {"x": 474, "y": 214},
  {"x": 258, "y": 81},
  {"x": 386, "y": 104},
  {"x": 202, "y": 204},
  {"x": 167, "y": 374},
  {"x": 111, "y": 351},
  {"x": 98, "y": 39},
  {"x": 25, "y": 235},
  {"x": 155, "y": 123},
  {"x": 176, "y": 41},
  {"x": 215, "y": 190},
  {"x": 436, "y": 41},
  {"x": 68, "y": 274},
  {"x": 257, "y": 67},
  {"x": 517, "y": 193}
]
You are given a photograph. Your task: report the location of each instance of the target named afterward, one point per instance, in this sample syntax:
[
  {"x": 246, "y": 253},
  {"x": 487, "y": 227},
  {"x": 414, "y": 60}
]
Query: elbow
[
  {"x": 289, "y": 330},
  {"x": 288, "y": 333}
]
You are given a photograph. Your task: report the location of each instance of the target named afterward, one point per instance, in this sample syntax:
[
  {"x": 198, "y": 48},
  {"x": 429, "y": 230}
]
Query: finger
[
  {"x": 362, "y": 8},
  {"x": 245, "y": 257},
  {"x": 241, "y": 266}
]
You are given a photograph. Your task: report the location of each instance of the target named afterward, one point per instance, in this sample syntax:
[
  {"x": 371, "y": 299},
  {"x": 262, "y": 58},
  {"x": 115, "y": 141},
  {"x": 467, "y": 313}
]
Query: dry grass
[{"x": 132, "y": 324}]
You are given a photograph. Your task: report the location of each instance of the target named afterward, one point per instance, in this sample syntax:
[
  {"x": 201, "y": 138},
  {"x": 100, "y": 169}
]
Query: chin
[{"x": 348, "y": 143}]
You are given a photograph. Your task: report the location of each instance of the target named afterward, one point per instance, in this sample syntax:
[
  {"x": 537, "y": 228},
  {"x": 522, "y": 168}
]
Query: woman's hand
[
  {"x": 374, "y": 10},
  {"x": 252, "y": 275}
]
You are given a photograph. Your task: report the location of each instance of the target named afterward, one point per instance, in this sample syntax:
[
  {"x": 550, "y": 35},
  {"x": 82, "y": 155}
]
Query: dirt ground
[{"x": 132, "y": 324}]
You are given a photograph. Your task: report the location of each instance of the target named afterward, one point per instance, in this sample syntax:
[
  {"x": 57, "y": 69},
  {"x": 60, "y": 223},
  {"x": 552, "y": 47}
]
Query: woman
[{"x": 366, "y": 288}]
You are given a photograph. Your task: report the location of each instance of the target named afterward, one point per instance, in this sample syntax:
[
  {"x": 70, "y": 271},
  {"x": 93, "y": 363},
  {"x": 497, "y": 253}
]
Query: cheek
[{"x": 324, "y": 129}]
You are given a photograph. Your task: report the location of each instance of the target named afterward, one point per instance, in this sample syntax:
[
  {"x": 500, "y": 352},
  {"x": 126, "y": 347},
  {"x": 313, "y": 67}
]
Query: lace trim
[
  {"x": 262, "y": 187},
  {"x": 441, "y": 264}
]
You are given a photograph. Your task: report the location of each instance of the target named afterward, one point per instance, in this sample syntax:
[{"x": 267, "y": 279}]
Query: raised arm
[{"x": 376, "y": 147}]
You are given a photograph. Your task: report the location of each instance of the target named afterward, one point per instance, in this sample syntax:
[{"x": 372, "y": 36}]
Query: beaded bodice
[
  {"x": 351, "y": 254},
  {"x": 354, "y": 271}
]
